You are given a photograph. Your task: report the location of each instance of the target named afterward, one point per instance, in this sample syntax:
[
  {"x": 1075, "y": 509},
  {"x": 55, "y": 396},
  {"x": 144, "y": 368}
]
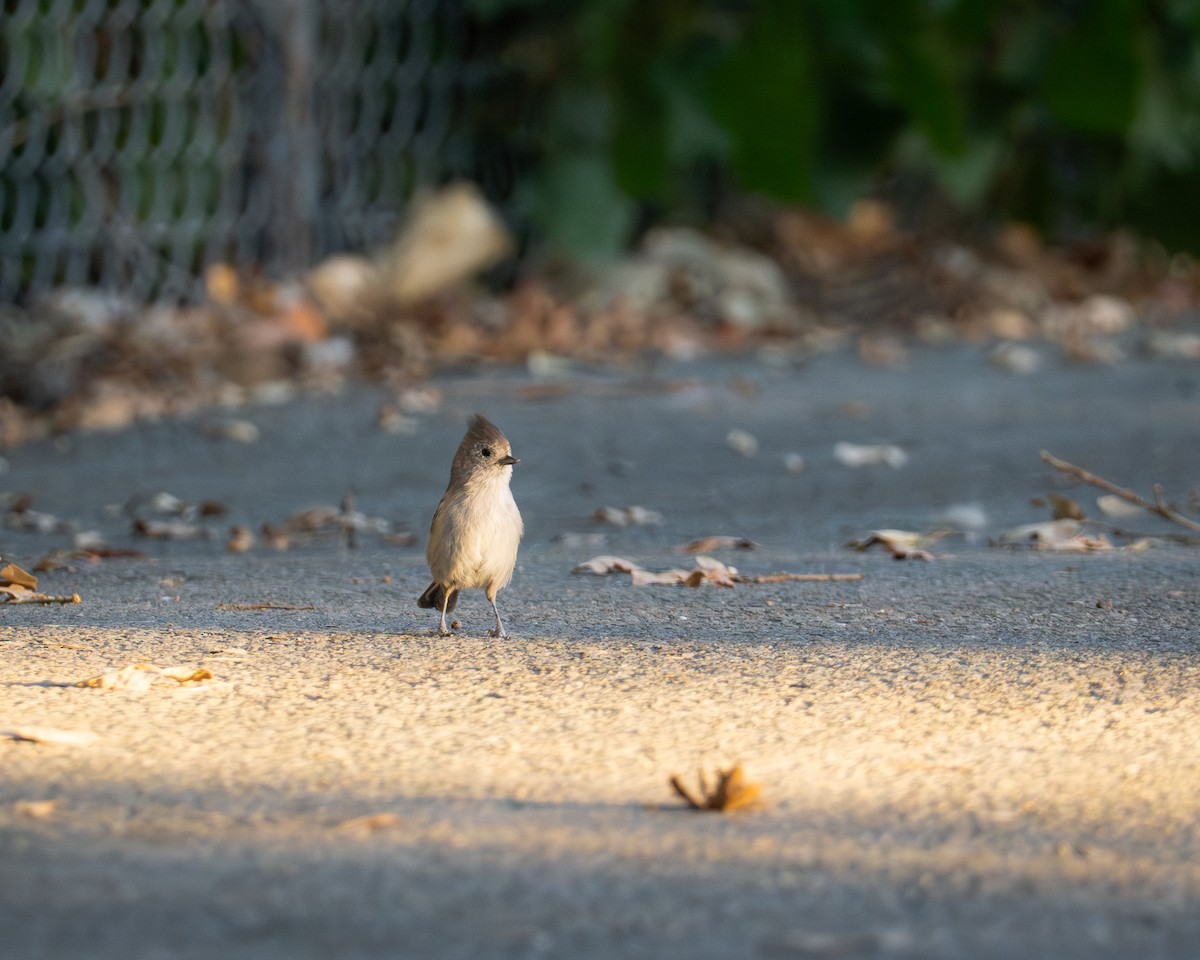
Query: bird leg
[
  {"x": 442, "y": 630},
  {"x": 499, "y": 631}
]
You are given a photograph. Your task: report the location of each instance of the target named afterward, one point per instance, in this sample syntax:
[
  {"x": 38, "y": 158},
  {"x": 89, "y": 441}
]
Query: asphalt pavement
[{"x": 990, "y": 753}]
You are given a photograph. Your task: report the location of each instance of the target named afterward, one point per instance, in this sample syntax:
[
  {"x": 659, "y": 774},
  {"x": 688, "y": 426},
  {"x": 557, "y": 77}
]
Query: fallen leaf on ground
[
  {"x": 966, "y": 517},
  {"x": 731, "y": 791},
  {"x": 34, "y": 809},
  {"x": 168, "y": 529},
  {"x": 711, "y": 570},
  {"x": 743, "y": 442},
  {"x": 708, "y": 544},
  {"x": 370, "y": 823},
  {"x": 239, "y": 431},
  {"x": 1016, "y": 358},
  {"x": 275, "y": 537},
  {"x": 662, "y": 578},
  {"x": 17, "y": 586},
  {"x": 66, "y": 738},
  {"x": 1063, "y": 535},
  {"x": 902, "y": 544},
  {"x": 1064, "y": 508},
  {"x": 240, "y": 540},
  {"x": 606, "y": 564},
  {"x": 627, "y": 516},
  {"x": 1118, "y": 508},
  {"x": 12, "y": 575},
  {"x": 573, "y": 540},
  {"x": 866, "y": 455},
  {"x": 338, "y": 519},
  {"x": 186, "y": 674},
  {"x": 136, "y": 677},
  {"x": 36, "y": 522},
  {"x": 163, "y": 503},
  {"x": 707, "y": 570}
]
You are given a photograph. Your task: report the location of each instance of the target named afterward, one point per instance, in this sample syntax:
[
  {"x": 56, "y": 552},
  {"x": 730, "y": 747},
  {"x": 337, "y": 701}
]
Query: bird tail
[{"x": 435, "y": 595}]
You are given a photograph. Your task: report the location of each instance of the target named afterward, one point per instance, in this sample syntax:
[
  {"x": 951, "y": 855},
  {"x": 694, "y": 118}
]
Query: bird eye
[{"x": 486, "y": 451}]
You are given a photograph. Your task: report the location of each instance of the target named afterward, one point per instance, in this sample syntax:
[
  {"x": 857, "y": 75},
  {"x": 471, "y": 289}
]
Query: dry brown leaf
[
  {"x": 1064, "y": 508},
  {"x": 54, "y": 560},
  {"x": 731, "y": 792},
  {"x": 134, "y": 677},
  {"x": 275, "y": 537},
  {"x": 902, "y": 544},
  {"x": 239, "y": 431},
  {"x": 186, "y": 675},
  {"x": 34, "y": 809},
  {"x": 606, "y": 564},
  {"x": 627, "y": 516},
  {"x": 168, "y": 529},
  {"x": 37, "y": 734},
  {"x": 1065, "y": 536},
  {"x": 341, "y": 519},
  {"x": 12, "y": 575},
  {"x": 707, "y": 570},
  {"x": 714, "y": 571},
  {"x": 17, "y": 586},
  {"x": 137, "y": 677},
  {"x": 707, "y": 544},
  {"x": 370, "y": 823},
  {"x": 241, "y": 539},
  {"x": 651, "y": 578}
]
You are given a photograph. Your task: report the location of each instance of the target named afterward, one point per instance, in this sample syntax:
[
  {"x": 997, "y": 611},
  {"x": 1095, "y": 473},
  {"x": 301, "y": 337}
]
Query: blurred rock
[
  {"x": 449, "y": 236},
  {"x": 1016, "y": 358},
  {"x": 681, "y": 268},
  {"x": 1177, "y": 344},
  {"x": 344, "y": 287}
]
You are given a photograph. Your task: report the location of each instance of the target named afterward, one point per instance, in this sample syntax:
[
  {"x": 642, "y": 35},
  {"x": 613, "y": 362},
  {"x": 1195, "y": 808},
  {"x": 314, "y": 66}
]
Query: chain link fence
[{"x": 141, "y": 140}]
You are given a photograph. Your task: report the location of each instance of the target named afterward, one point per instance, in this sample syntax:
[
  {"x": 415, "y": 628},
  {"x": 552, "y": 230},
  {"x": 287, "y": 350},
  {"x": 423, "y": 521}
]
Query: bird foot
[{"x": 497, "y": 634}]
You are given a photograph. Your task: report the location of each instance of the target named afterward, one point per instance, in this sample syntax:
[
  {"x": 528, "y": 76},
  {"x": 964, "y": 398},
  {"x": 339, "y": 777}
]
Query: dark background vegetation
[
  {"x": 1072, "y": 115},
  {"x": 141, "y": 140}
]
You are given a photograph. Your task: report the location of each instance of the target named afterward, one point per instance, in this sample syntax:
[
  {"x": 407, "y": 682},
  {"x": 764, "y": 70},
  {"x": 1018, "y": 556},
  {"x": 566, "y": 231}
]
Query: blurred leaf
[
  {"x": 1094, "y": 76},
  {"x": 919, "y": 74},
  {"x": 578, "y": 203},
  {"x": 765, "y": 95}
]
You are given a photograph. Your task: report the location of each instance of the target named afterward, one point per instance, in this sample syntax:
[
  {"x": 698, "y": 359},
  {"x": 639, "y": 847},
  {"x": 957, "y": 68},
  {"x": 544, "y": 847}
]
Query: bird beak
[{"x": 505, "y": 461}]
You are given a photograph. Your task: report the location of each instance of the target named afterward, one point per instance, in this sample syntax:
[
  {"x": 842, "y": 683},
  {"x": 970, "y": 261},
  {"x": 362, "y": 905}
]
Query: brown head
[{"x": 484, "y": 452}]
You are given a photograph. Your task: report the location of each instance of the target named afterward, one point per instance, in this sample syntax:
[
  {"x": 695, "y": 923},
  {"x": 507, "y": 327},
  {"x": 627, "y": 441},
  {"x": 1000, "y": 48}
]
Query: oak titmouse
[{"x": 477, "y": 526}]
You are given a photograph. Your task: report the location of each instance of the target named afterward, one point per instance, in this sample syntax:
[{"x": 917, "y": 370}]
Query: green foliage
[{"x": 1071, "y": 113}]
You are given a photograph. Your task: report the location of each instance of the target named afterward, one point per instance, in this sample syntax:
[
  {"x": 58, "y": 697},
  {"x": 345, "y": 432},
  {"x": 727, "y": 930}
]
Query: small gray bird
[{"x": 477, "y": 526}]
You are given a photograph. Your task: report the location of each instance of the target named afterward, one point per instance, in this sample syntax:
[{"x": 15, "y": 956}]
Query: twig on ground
[
  {"x": 1159, "y": 506},
  {"x": 262, "y": 606},
  {"x": 732, "y": 791},
  {"x": 804, "y": 577}
]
